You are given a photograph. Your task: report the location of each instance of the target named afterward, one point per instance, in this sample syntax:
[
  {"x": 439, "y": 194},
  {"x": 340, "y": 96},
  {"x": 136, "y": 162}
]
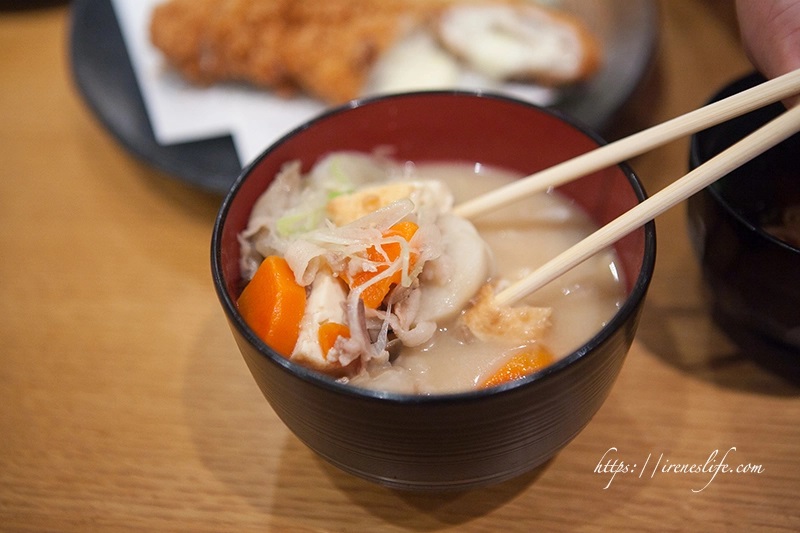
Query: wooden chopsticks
[
  {"x": 779, "y": 129},
  {"x": 766, "y": 93}
]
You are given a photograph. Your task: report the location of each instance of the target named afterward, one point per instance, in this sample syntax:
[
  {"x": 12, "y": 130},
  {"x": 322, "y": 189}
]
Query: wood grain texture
[{"x": 125, "y": 405}]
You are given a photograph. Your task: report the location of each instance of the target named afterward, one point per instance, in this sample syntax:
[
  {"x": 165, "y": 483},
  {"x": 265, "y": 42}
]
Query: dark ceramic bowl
[
  {"x": 453, "y": 441},
  {"x": 753, "y": 276}
]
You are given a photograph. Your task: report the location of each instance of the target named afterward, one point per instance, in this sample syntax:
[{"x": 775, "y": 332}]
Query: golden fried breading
[
  {"x": 209, "y": 41},
  {"x": 519, "y": 324},
  {"x": 325, "y": 48},
  {"x": 333, "y": 44}
]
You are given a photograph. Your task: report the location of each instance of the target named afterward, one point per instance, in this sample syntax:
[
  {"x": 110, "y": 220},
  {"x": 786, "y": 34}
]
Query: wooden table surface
[{"x": 125, "y": 405}]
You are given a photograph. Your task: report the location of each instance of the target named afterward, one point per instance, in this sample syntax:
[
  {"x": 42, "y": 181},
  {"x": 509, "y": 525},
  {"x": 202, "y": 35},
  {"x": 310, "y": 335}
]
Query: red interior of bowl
[{"x": 442, "y": 127}]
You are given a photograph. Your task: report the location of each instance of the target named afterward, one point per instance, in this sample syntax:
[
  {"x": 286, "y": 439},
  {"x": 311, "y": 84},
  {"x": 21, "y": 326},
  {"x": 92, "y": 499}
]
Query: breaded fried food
[
  {"x": 331, "y": 46},
  {"x": 209, "y": 41},
  {"x": 325, "y": 48},
  {"x": 520, "y": 42}
]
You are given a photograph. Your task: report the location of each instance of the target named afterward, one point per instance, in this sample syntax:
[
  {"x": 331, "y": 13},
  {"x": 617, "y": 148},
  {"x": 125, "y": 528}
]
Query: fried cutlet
[{"x": 323, "y": 48}]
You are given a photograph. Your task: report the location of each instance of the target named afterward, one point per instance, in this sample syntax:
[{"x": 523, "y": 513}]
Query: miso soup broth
[
  {"x": 383, "y": 287},
  {"x": 521, "y": 237}
]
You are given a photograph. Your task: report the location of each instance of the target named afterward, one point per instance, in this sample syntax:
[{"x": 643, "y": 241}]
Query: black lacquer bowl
[
  {"x": 453, "y": 441},
  {"x": 753, "y": 275}
]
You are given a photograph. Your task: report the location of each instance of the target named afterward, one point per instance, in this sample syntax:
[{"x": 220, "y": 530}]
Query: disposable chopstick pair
[
  {"x": 610, "y": 154},
  {"x": 751, "y": 146}
]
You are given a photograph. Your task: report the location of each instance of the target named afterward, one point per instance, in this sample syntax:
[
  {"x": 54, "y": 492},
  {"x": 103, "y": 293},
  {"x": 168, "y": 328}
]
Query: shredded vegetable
[{"x": 339, "y": 258}]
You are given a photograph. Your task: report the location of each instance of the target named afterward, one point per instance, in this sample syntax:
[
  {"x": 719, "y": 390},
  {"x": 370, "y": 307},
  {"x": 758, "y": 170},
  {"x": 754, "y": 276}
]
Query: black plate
[{"x": 104, "y": 75}]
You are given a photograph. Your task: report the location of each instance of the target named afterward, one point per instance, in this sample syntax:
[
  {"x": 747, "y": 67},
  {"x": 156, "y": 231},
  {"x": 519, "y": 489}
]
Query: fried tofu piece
[
  {"x": 516, "y": 325},
  {"x": 346, "y": 208},
  {"x": 325, "y": 304}
]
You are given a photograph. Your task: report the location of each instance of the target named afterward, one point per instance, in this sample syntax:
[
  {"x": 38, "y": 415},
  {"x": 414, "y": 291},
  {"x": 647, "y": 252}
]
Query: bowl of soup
[
  {"x": 366, "y": 305},
  {"x": 745, "y": 229}
]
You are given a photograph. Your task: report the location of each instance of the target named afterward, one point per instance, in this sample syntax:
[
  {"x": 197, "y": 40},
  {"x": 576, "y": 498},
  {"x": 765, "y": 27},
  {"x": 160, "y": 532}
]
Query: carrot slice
[
  {"x": 375, "y": 293},
  {"x": 329, "y": 332},
  {"x": 405, "y": 230},
  {"x": 273, "y": 304},
  {"x": 521, "y": 364}
]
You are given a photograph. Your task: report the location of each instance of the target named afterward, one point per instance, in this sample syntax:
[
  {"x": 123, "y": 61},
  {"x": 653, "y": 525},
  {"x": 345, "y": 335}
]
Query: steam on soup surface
[{"x": 359, "y": 269}]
